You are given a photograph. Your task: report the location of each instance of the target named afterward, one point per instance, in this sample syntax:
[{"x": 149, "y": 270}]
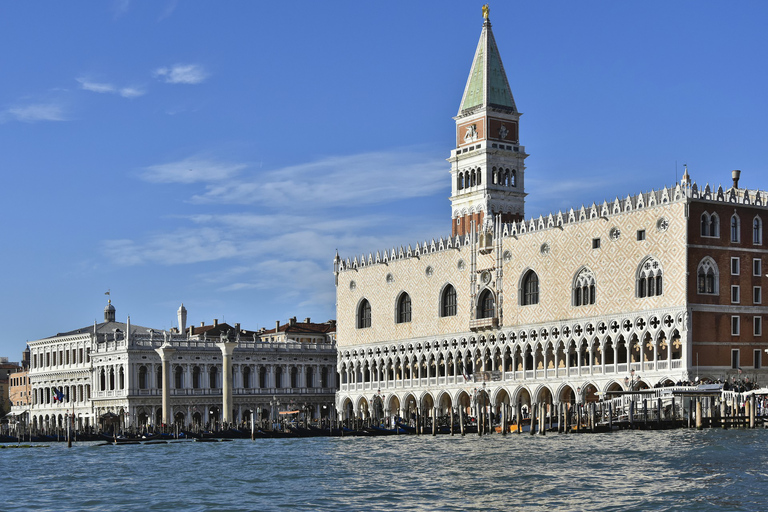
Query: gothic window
[
  {"x": 529, "y": 291},
  {"x": 196, "y": 377},
  {"x": 649, "y": 278},
  {"x": 448, "y": 301},
  {"x": 294, "y": 377},
  {"x": 584, "y": 288},
  {"x": 757, "y": 231},
  {"x": 364, "y": 314},
  {"x": 472, "y": 178},
  {"x": 735, "y": 228},
  {"x": 479, "y": 176},
  {"x": 707, "y": 277},
  {"x": 486, "y": 305},
  {"x": 459, "y": 181},
  {"x": 247, "y": 377},
  {"x": 495, "y": 176},
  {"x": 404, "y": 308},
  {"x": 143, "y": 377},
  {"x": 714, "y": 226},
  {"x": 159, "y": 377},
  {"x": 705, "y": 222},
  {"x": 513, "y": 178}
]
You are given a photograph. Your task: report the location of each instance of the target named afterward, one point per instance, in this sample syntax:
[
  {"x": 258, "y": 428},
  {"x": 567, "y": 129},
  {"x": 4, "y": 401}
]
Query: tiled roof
[{"x": 487, "y": 83}]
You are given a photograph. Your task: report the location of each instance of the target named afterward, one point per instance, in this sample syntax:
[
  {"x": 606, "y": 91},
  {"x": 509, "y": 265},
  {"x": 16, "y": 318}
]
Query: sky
[{"x": 217, "y": 154}]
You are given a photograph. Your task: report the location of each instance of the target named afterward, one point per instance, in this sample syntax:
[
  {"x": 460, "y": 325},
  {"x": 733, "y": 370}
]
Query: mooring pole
[
  {"x": 698, "y": 414},
  {"x": 451, "y": 420}
]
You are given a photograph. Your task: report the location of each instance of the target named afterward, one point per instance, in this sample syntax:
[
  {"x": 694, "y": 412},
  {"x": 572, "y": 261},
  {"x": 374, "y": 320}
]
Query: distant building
[
  {"x": 6, "y": 370},
  {"x": 644, "y": 290},
  {"x": 138, "y": 376}
]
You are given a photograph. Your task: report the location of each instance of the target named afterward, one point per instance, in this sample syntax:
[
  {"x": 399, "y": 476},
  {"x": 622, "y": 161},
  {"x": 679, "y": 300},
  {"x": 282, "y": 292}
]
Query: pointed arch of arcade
[
  {"x": 362, "y": 407},
  {"x": 566, "y": 393},
  {"x": 463, "y": 401},
  {"x": 522, "y": 395},
  {"x": 612, "y": 385},
  {"x": 543, "y": 394},
  {"x": 501, "y": 395},
  {"x": 444, "y": 402}
]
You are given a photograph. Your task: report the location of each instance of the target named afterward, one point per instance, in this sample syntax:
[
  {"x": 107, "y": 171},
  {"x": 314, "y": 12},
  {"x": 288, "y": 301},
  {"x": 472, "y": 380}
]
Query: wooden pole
[
  {"x": 434, "y": 421},
  {"x": 632, "y": 414},
  {"x": 723, "y": 414},
  {"x": 503, "y": 419},
  {"x": 751, "y": 411},
  {"x": 698, "y": 414},
  {"x": 451, "y": 420},
  {"x": 533, "y": 418},
  {"x": 461, "y": 421},
  {"x": 543, "y": 419},
  {"x": 518, "y": 417}
]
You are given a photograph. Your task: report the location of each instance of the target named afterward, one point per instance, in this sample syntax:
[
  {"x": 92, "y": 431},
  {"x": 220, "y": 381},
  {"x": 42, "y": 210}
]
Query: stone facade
[
  {"x": 558, "y": 308},
  {"x": 114, "y": 371}
]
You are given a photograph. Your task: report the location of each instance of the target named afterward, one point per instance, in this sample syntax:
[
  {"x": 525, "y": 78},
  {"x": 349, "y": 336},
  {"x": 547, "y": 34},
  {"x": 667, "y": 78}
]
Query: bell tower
[{"x": 488, "y": 164}]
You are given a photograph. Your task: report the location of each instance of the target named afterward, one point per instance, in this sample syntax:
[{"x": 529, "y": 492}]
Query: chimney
[
  {"x": 191, "y": 330},
  {"x": 306, "y": 320},
  {"x": 202, "y": 324},
  {"x": 237, "y": 327},
  {"x": 277, "y": 326},
  {"x": 292, "y": 321},
  {"x": 736, "y": 175},
  {"x": 215, "y": 322}
]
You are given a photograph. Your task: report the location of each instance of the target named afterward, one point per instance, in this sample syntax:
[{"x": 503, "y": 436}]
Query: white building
[{"x": 114, "y": 369}]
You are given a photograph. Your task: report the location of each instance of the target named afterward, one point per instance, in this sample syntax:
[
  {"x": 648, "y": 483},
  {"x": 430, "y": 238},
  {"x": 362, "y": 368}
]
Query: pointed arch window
[
  {"x": 710, "y": 225},
  {"x": 649, "y": 278},
  {"x": 364, "y": 314},
  {"x": 143, "y": 381},
  {"x": 757, "y": 231},
  {"x": 448, "y": 301},
  {"x": 529, "y": 292},
  {"x": 486, "y": 305},
  {"x": 707, "y": 277},
  {"x": 705, "y": 224},
  {"x": 404, "y": 308},
  {"x": 584, "y": 288},
  {"x": 735, "y": 228}
]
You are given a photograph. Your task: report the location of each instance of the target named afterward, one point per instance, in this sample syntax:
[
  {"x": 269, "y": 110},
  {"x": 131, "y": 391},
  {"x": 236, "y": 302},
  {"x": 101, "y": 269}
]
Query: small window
[
  {"x": 757, "y": 267},
  {"x": 734, "y": 359},
  {"x": 735, "y": 327},
  {"x": 640, "y": 235},
  {"x": 364, "y": 315},
  {"x": 735, "y": 294},
  {"x": 404, "y": 309},
  {"x": 448, "y": 302},
  {"x": 735, "y": 229},
  {"x": 757, "y": 295},
  {"x": 757, "y": 326},
  {"x": 595, "y": 243},
  {"x": 529, "y": 293},
  {"x": 757, "y": 231},
  {"x": 735, "y": 266},
  {"x": 758, "y": 359}
]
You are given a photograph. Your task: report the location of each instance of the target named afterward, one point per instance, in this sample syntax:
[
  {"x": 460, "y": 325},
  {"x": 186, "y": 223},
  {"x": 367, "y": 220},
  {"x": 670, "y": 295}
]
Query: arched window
[
  {"x": 649, "y": 278},
  {"x": 159, "y": 377},
  {"x": 584, "y": 288},
  {"x": 714, "y": 226},
  {"x": 707, "y": 277},
  {"x": 735, "y": 228},
  {"x": 364, "y": 314},
  {"x": 143, "y": 384},
  {"x": 529, "y": 290},
  {"x": 513, "y": 178},
  {"x": 278, "y": 377},
  {"x": 757, "y": 231},
  {"x": 486, "y": 305},
  {"x": 196, "y": 377},
  {"x": 479, "y": 176},
  {"x": 310, "y": 377},
  {"x": 213, "y": 377},
  {"x": 262, "y": 377},
  {"x": 494, "y": 176},
  {"x": 404, "y": 308},
  {"x": 324, "y": 378},
  {"x": 448, "y": 301},
  {"x": 705, "y": 223},
  {"x": 294, "y": 377},
  {"x": 247, "y": 377},
  {"x": 178, "y": 377}
]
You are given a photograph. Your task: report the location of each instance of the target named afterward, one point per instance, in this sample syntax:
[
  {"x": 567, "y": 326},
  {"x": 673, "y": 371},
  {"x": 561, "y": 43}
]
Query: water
[{"x": 678, "y": 470}]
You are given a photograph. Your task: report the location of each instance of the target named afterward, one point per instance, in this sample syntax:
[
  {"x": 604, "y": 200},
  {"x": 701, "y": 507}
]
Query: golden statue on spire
[{"x": 486, "y": 11}]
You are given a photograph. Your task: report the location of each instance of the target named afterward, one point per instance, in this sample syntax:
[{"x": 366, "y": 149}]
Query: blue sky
[{"x": 218, "y": 153}]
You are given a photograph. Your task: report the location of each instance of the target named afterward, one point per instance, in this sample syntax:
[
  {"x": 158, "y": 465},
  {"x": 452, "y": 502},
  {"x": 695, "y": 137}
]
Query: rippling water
[{"x": 624, "y": 471}]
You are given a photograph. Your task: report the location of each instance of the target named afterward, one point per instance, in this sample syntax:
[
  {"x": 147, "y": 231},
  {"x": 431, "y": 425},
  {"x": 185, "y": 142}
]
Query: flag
[
  {"x": 107, "y": 292},
  {"x": 59, "y": 394}
]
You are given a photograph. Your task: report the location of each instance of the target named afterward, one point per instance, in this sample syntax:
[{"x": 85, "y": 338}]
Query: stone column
[
  {"x": 227, "y": 348},
  {"x": 166, "y": 352}
]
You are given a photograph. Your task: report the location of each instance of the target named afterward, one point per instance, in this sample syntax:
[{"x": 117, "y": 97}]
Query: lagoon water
[{"x": 681, "y": 470}]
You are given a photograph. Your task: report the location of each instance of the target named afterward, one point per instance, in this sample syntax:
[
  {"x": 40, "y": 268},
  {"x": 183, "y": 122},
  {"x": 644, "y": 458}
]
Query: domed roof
[{"x": 109, "y": 307}]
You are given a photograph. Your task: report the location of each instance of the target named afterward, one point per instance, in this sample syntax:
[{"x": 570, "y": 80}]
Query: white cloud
[
  {"x": 191, "y": 170},
  {"x": 36, "y": 112},
  {"x": 365, "y": 178},
  {"x": 182, "y": 74},
  {"x": 106, "y": 88}
]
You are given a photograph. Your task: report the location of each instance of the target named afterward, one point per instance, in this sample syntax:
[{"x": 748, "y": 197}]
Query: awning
[{"x": 289, "y": 412}]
